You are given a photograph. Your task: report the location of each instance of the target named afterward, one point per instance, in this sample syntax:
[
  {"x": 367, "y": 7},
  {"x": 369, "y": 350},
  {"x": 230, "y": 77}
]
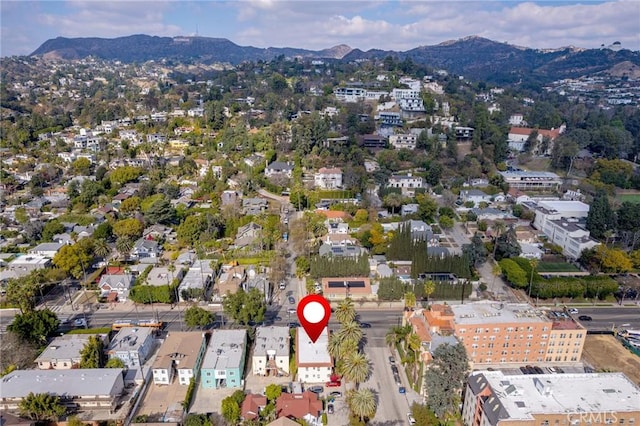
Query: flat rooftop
[
  {"x": 563, "y": 206},
  {"x": 313, "y": 354},
  {"x": 496, "y": 312},
  {"x": 182, "y": 346},
  {"x": 225, "y": 350},
  {"x": 522, "y": 396},
  {"x": 77, "y": 382},
  {"x": 129, "y": 339},
  {"x": 272, "y": 339},
  {"x": 64, "y": 347}
]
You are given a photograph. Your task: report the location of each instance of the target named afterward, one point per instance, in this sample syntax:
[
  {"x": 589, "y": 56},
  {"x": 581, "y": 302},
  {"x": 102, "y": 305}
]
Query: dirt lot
[{"x": 606, "y": 353}]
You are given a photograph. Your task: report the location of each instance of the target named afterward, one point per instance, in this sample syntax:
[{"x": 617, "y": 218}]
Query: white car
[
  {"x": 573, "y": 311},
  {"x": 412, "y": 421},
  {"x": 80, "y": 322}
]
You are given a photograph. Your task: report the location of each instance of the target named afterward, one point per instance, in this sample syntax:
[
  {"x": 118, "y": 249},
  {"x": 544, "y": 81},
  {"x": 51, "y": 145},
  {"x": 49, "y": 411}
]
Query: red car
[{"x": 334, "y": 384}]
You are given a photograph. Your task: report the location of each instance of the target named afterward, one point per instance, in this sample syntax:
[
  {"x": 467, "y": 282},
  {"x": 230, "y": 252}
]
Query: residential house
[
  {"x": 407, "y": 209},
  {"x": 254, "y": 206},
  {"x": 223, "y": 365},
  {"x": 63, "y": 353},
  {"x": 252, "y": 405},
  {"x": 116, "y": 287},
  {"x": 492, "y": 398},
  {"x": 253, "y": 160},
  {"x": 335, "y": 240},
  {"x": 406, "y": 141},
  {"x": 259, "y": 281},
  {"x": 374, "y": 141},
  {"x": 48, "y": 250},
  {"x": 337, "y": 227},
  {"x": 162, "y": 275},
  {"x": 196, "y": 282},
  {"x": 133, "y": 345},
  {"x": 24, "y": 265},
  {"x": 474, "y": 196},
  {"x": 532, "y": 180},
  {"x": 305, "y": 406},
  {"x": 85, "y": 389},
  {"x": 490, "y": 213},
  {"x": 315, "y": 365},
  {"x": 146, "y": 250},
  {"x": 181, "y": 353},
  {"x": 328, "y": 178},
  {"x": 230, "y": 197},
  {"x": 347, "y": 250},
  {"x": 230, "y": 280},
  {"x": 408, "y": 183},
  {"x": 158, "y": 232},
  {"x": 420, "y": 231},
  {"x": 463, "y": 133},
  {"x": 283, "y": 421},
  {"x": 271, "y": 351},
  {"x": 247, "y": 235},
  {"x": 516, "y": 196},
  {"x": 343, "y": 287},
  {"x": 279, "y": 168},
  {"x": 518, "y": 137}
]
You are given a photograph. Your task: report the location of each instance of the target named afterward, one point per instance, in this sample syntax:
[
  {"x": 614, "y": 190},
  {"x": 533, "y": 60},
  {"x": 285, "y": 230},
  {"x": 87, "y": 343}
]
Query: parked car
[
  {"x": 392, "y": 360},
  {"x": 524, "y": 370},
  {"x": 80, "y": 322},
  {"x": 585, "y": 318},
  {"x": 294, "y": 324},
  {"x": 316, "y": 389},
  {"x": 412, "y": 421},
  {"x": 402, "y": 389},
  {"x": 335, "y": 394},
  {"x": 365, "y": 325},
  {"x": 334, "y": 384},
  {"x": 538, "y": 370},
  {"x": 292, "y": 301},
  {"x": 330, "y": 409}
]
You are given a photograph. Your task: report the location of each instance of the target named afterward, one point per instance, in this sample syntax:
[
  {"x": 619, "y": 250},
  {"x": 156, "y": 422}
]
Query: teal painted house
[{"x": 223, "y": 364}]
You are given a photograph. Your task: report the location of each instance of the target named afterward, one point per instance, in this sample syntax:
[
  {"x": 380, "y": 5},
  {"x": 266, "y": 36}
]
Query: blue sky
[{"x": 397, "y": 25}]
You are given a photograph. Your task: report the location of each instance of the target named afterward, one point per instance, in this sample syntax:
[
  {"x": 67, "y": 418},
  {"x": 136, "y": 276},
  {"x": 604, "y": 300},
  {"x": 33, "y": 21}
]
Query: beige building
[
  {"x": 63, "y": 353},
  {"x": 271, "y": 351},
  {"x": 181, "y": 354},
  {"x": 495, "y": 399},
  {"x": 315, "y": 365}
]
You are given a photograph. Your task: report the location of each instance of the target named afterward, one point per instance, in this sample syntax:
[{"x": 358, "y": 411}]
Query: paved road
[{"x": 605, "y": 318}]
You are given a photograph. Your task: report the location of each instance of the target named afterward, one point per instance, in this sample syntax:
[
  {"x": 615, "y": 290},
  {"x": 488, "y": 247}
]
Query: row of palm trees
[
  {"x": 345, "y": 346},
  {"x": 412, "y": 345}
]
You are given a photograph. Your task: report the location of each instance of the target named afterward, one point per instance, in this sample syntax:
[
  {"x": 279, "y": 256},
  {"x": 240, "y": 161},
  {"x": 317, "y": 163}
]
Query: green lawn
[
  {"x": 556, "y": 267},
  {"x": 634, "y": 198}
]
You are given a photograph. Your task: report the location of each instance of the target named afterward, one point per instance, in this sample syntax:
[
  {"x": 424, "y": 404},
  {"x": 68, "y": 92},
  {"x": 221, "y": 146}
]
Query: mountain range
[{"x": 474, "y": 57}]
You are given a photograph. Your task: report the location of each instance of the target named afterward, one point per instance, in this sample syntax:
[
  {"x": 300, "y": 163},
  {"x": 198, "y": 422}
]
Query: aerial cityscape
[{"x": 320, "y": 213}]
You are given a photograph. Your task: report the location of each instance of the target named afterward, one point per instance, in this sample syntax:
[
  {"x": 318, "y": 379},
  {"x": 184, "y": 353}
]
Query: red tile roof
[
  {"x": 526, "y": 131},
  {"x": 298, "y": 405},
  {"x": 334, "y": 214},
  {"x": 251, "y": 406}
]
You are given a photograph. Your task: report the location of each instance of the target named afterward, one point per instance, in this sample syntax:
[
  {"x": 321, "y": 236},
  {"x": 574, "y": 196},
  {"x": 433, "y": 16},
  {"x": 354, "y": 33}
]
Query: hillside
[{"x": 474, "y": 57}]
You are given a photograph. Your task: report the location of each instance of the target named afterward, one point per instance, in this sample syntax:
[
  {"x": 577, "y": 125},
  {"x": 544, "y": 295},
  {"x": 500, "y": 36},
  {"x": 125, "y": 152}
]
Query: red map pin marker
[{"x": 314, "y": 312}]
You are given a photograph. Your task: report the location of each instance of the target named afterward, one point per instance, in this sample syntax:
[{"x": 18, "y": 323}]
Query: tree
[
  {"x": 129, "y": 206},
  {"x": 125, "y": 174},
  {"x": 613, "y": 259},
  {"x": 231, "y": 406},
  {"x": 446, "y": 222},
  {"x": 355, "y": 367},
  {"x": 273, "y": 392},
  {"x": 476, "y": 252},
  {"x": 115, "y": 362},
  {"x": 104, "y": 231},
  {"x": 72, "y": 259},
  {"x": 42, "y": 406},
  {"x": 190, "y": 230},
  {"x": 161, "y": 211},
  {"x": 198, "y": 420},
  {"x": 423, "y": 415},
  {"x": 245, "y": 307},
  {"x": 196, "y": 316},
  {"x": 349, "y": 332},
  {"x": 506, "y": 245},
  {"x": 92, "y": 354},
  {"x": 21, "y": 292},
  {"x": 362, "y": 403},
  {"x": 345, "y": 312},
  {"x": 128, "y": 228},
  {"x": 101, "y": 249},
  {"x": 601, "y": 217},
  {"x": 427, "y": 207},
  {"x": 429, "y": 288},
  {"x": 81, "y": 166},
  {"x": 445, "y": 378},
  {"x": 34, "y": 326},
  {"x": 409, "y": 299},
  {"x": 51, "y": 228}
]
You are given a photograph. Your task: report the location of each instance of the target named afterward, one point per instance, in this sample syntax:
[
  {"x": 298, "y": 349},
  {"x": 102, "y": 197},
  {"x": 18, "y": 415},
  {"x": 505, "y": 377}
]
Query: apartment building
[
  {"x": 407, "y": 141},
  {"x": 564, "y": 223},
  {"x": 405, "y": 182},
  {"x": 63, "y": 353},
  {"x": 181, "y": 353},
  {"x": 223, "y": 365},
  {"x": 495, "y": 333},
  {"x": 315, "y": 365},
  {"x": 271, "y": 351},
  {"x": 495, "y": 399},
  {"x": 532, "y": 180},
  {"x": 133, "y": 345}
]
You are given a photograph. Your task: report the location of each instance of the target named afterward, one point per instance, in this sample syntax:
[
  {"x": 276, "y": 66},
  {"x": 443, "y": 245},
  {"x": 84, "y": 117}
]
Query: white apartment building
[
  {"x": 407, "y": 181},
  {"x": 133, "y": 345},
  {"x": 314, "y": 362},
  {"x": 400, "y": 141},
  {"x": 328, "y": 178},
  {"x": 532, "y": 180},
  {"x": 349, "y": 94},
  {"x": 405, "y": 94},
  {"x": 271, "y": 351}
]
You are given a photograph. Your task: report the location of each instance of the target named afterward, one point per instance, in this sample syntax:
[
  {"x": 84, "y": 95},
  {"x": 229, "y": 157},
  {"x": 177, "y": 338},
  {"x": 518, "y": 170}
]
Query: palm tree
[
  {"x": 334, "y": 346},
  {"x": 415, "y": 344},
  {"x": 345, "y": 312},
  {"x": 409, "y": 299},
  {"x": 499, "y": 227},
  {"x": 351, "y": 332},
  {"x": 362, "y": 403},
  {"x": 124, "y": 245},
  {"x": 355, "y": 368},
  {"x": 429, "y": 288},
  {"x": 101, "y": 249}
]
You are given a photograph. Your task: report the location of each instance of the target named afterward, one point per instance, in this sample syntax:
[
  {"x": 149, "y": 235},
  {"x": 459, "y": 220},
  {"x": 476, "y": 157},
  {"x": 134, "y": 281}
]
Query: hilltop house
[
  {"x": 328, "y": 178},
  {"x": 279, "y": 168}
]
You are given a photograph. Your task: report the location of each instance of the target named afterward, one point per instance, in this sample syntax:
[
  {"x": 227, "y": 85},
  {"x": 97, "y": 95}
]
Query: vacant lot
[{"x": 606, "y": 353}]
